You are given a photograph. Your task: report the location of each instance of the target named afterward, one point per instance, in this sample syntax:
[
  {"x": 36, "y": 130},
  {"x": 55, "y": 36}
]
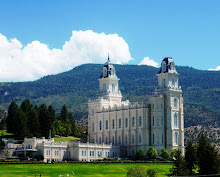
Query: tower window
[
  {"x": 139, "y": 138},
  {"x": 126, "y": 122},
  {"x": 106, "y": 140},
  {"x": 113, "y": 123},
  {"x": 93, "y": 126},
  {"x": 113, "y": 140},
  {"x": 153, "y": 121},
  {"x": 100, "y": 125},
  {"x": 113, "y": 87},
  {"x": 100, "y": 140},
  {"x": 104, "y": 87},
  {"x": 132, "y": 139},
  {"x": 140, "y": 121},
  {"x": 175, "y": 103},
  {"x": 175, "y": 120},
  {"x": 176, "y": 138},
  {"x": 119, "y": 123},
  {"x": 106, "y": 124},
  {"x": 132, "y": 121}
]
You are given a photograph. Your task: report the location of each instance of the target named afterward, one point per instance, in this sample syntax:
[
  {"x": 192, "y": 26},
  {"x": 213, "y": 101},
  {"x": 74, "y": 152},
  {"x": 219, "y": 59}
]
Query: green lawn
[
  {"x": 87, "y": 169},
  {"x": 63, "y": 138}
]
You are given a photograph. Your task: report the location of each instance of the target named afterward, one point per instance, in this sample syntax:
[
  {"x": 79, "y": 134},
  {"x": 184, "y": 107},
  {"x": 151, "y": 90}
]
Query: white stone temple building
[{"x": 158, "y": 123}]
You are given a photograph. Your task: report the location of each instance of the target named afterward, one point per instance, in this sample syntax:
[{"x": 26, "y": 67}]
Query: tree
[
  {"x": 52, "y": 112},
  {"x": 140, "y": 154},
  {"x": 20, "y": 130},
  {"x": 152, "y": 153},
  {"x": 35, "y": 123},
  {"x": 59, "y": 127},
  {"x": 136, "y": 171},
  {"x": 179, "y": 165},
  {"x": 64, "y": 115},
  {"x": 46, "y": 123},
  {"x": 208, "y": 159},
  {"x": 13, "y": 108},
  {"x": 164, "y": 154},
  {"x": 190, "y": 157}
]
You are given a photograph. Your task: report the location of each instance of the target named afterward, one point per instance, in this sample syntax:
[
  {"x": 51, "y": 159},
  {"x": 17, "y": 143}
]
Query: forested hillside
[{"x": 201, "y": 90}]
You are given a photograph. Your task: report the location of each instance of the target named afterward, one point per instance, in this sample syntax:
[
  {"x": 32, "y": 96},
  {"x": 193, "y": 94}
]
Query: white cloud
[
  {"x": 149, "y": 62},
  {"x": 30, "y": 62},
  {"x": 217, "y": 69}
]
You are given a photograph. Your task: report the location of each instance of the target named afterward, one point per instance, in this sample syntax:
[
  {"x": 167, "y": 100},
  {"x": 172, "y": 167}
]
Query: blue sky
[{"x": 189, "y": 31}]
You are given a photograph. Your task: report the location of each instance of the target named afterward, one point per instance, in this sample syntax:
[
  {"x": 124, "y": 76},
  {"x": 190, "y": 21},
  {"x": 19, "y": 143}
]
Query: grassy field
[
  {"x": 68, "y": 138},
  {"x": 96, "y": 170}
]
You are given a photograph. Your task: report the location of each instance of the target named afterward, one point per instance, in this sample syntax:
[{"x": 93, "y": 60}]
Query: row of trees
[
  {"x": 28, "y": 121},
  {"x": 201, "y": 157}
]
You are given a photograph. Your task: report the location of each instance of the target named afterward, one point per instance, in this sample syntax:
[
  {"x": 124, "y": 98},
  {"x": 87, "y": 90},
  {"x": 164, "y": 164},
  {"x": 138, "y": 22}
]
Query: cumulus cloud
[
  {"x": 217, "y": 69},
  {"x": 149, "y": 62},
  {"x": 30, "y": 62}
]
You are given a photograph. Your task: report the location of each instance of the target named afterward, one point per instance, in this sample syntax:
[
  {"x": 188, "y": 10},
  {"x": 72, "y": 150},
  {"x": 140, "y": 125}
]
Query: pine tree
[
  {"x": 35, "y": 123},
  {"x": 64, "y": 115},
  {"x": 190, "y": 157},
  {"x": 13, "y": 108},
  {"x": 208, "y": 159},
  {"x": 52, "y": 112},
  {"x": 46, "y": 123},
  {"x": 20, "y": 130},
  {"x": 179, "y": 165}
]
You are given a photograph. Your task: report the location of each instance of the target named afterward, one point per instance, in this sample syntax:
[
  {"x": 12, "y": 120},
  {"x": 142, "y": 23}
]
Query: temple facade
[{"x": 158, "y": 122}]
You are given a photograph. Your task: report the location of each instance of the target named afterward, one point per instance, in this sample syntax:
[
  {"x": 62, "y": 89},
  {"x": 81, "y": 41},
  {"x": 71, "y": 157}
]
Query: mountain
[{"x": 201, "y": 90}]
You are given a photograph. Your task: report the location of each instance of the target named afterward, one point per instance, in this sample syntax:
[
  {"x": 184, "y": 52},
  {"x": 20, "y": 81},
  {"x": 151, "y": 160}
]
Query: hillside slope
[{"x": 201, "y": 90}]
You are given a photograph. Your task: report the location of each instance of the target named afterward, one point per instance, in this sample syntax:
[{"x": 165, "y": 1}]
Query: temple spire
[{"x": 108, "y": 58}]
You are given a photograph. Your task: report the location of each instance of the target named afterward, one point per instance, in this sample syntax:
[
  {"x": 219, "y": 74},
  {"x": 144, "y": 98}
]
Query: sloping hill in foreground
[{"x": 201, "y": 90}]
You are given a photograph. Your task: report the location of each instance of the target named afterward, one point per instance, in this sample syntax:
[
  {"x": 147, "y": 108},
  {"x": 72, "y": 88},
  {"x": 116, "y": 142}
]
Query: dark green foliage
[
  {"x": 190, "y": 157},
  {"x": 52, "y": 112},
  {"x": 136, "y": 171},
  {"x": 152, "y": 153},
  {"x": 20, "y": 120},
  {"x": 34, "y": 128},
  {"x": 164, "y": 154},
  {"x": 208, "y": 159},
  {"x": 151, "y": 172},
  {"x": 140, "y": 154},
  {"x": 201, "y": 90},
  {"x": 12, "y": 109},
  {"x": 179, "y": 166},
  {"x": 173, "y": 153},
  {"x": 2, "y": 143},
  {"x": 39, "y": 157},
  {"x": 46, "y": 122}
]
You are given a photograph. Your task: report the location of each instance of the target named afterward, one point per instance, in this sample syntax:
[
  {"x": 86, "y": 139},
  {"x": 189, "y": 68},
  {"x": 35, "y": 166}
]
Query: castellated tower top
[{"x": 168, "y": 66}]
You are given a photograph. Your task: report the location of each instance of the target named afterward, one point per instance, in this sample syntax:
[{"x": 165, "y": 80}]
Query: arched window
[
  {"x": 100, "y": 125},
  {"x": 119, "y": 139},
  {"x": 153, "y": 121},
  {"x": 104, "y": 87},
  {"x": 113, "y": 123},
  {"x": 132, "y": 139},
  {"x": 139, "y": 138},
  {"x": 175, "y": 103},
  {"x": 119, "y": 123},
  {"x": 126, "y": 122},
  {"x": 113, "y": 140},
  {"x": 106, "y": 140},
  {"x": 132, "y": 121},
  {"x": 126, "y": 139},
  {"x": 176, "y": 138},
  {"x": 140, "y": 121},
  {"x": 153, "y": 139},
  {"x": 113, "y": 87},
  {"x": 93, "y": 126},
  {"x": 106, "y": 124},
  {"x": 100, "y": 140},
  {"x": 175, "y": 120}
]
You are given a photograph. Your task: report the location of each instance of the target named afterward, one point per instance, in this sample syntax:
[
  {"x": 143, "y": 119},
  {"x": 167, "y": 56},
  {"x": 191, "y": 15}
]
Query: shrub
[
  {"x": 164, "y": 154},
  {"x": 140, "y": 154},
  {"x": 136, "y": 171},
  {"x": 151, "y": 172},
  {"x": 152, "y": 153}
]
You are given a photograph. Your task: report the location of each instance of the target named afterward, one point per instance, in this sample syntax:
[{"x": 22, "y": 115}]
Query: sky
[{"x": 44, "y": 37}]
